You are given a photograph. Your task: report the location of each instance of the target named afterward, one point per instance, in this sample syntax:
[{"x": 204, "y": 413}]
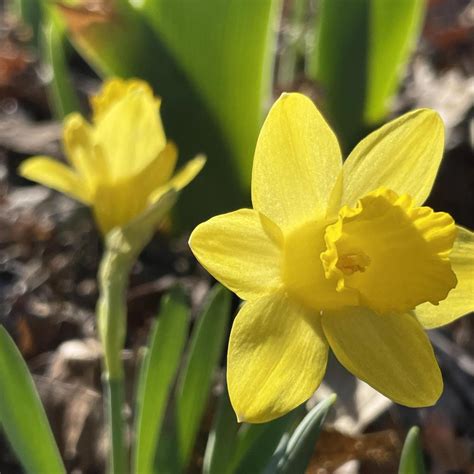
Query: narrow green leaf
[
  {"x": 62, "y": 93},
  {"x": 207, "y": 341},
  {"x": 167, "y": 458},
  {"x": 30, "y": 13},
  {"x": 222, "y": 438},
  {"x": 361, "y": 49},
  {"x": 300, "y": 447},
  {"x": 157, "y": 374},
  {"x": 22, "y": 415},
  {"x": 257, "y": 443},
  {"x": 394, "y": 29},
  {"x": 411, "y": 460}
]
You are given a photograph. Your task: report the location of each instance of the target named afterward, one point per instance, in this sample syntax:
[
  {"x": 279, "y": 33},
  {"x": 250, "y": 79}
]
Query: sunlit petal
[
  {"x": 187, "y": 173},
  {"x": 403, "y": 155},
  {"x": 297, "y": 161},
  {"x": 112, "y": 91},
  {"x": 56, "y": 175},
  {"x": 390, "y": 352},
  {"x": 460, "y": 300},
  {"x": 276, "y": 360},
  {"x": 79, "y": 147},
  {"x": 130, "y": 133},
  {"x": 237, "y": 250},
  {"x": 181, "y": 179}
]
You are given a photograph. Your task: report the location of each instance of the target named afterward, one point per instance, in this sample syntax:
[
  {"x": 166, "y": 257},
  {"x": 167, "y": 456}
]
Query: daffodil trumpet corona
[
  {"x": 121, "y": 163},
  {"x": 339, "y": 256}
]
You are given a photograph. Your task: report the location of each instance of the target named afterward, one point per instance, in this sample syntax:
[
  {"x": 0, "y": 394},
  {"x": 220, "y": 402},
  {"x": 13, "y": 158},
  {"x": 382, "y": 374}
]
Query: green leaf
[
  {"x": 167, "y": 459},
  {"x": 211, "y": 62},
  {"x": 30, "y": 13},
  {"x": 115, "y": 40},
  {"x": 222, "y": 438},
  {"x": 22, "y": 416},
  {"x": 257, "y": 443},
  {"x": 300, "y": 448},
  {"x": 207, "y": 342},
  {"x": 62, "y": 94},
  {"x": 157, "y": 374},
  {"x": 236, "y": 47},
  {"x": 361, "y": 49},
  {"x": 411, "y": 460}
]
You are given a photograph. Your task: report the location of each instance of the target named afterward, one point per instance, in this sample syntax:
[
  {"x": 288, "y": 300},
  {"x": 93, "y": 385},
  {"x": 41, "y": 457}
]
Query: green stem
[
  {"x": 122, "y": 247},
  {"x": 112, "y": 319},
  {"x": 118, "y": 462}
]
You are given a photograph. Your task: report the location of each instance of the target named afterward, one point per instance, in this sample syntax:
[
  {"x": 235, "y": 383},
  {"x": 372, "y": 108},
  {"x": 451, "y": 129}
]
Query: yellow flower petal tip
[
  {"x": 286, "y": 374},
  {"x": 338, "y": 256},
  {"x": 121, "y": 163}
]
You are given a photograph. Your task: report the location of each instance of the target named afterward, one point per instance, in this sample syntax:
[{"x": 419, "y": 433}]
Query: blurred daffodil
[
  {"x": 121, "y": 163},
  {"x": 338, "y": 256}
]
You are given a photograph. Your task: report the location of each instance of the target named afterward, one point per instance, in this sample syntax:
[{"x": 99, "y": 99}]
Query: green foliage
[
  {"x": 281, "y": 446},
  {"x": 257, "y": 443},
  {"x": 169, "y": 451},
  {"x": 22, "y": 416},
  {"x": 206, "y": 345},
  {"x": 222, "y": 438},
  {"x": 361, "y": 49},
  {"x": 62, "y": 94},
  {"x": 411, "y": 460},
  {"x": 30, "y": 13},
  {"x": 295, "y": 458},
  {"x": 211, "y": 63},
  {"x": 157, "y": 373}
]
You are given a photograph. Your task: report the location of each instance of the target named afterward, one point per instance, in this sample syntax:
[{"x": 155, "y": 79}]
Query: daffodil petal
[
  {"x": 297, "y": 161},
  {"x": 181, "y": 179},
  {"x": 277, "y": 358},
  {"x": 460, "y": 300},
  {"x": 403, "y": 155},
  {"x": 187, "y": 173},
  {"x": 131, "y": 133},
  {"x": 55, "y": 175},
  {"x": 239, "y": 252},
  {"x": 78, "y": 138},
  {"x": 156, "y": 174},
  {"x": 390, "y": 352},
  {"x": 116, "y": 204},
  {"x": 112, "y": 91}
]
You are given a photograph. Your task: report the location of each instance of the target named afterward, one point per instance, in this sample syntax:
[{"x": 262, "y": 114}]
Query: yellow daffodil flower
[
  {"x": 338, "y": 256},
  {"x": 121, "y": 163}
]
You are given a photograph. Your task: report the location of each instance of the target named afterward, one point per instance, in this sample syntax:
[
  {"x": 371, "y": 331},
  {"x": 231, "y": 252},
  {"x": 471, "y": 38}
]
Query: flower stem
[
  {"x": 122, "y": 247},
  {"x": 118, "y": 459},
  {"x": 111, "y": 320}
]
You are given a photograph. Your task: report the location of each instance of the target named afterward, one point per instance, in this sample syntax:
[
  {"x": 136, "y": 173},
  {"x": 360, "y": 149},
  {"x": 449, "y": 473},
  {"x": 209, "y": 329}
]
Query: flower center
[
  {"x": 384, "y": 254},
  {"x": 353, "y": 262},
  {"x": 303, "y": 272},
  {"x": 394, "y": 255}
]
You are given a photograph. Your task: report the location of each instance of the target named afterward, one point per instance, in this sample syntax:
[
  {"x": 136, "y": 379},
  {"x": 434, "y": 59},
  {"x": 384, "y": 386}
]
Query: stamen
[{"x": 353, "y": 262}]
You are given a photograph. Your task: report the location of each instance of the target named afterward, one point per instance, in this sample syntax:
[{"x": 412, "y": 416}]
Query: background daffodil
[
  {"x": 339, "y": 256},
  {"x": 121, "y": 163}
]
